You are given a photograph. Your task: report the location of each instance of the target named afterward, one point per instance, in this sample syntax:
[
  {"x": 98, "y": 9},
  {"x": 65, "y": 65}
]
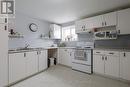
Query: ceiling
[{"x": 63, "y": 11}]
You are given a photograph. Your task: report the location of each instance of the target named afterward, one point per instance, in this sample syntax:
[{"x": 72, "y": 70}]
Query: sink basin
[{"x": 24, "y": 49}]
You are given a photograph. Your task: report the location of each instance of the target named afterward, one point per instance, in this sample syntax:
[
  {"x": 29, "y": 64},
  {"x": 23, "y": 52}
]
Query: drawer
[
  {"x": 112, "y": 53},
  {"x": 98, "y": 52}
]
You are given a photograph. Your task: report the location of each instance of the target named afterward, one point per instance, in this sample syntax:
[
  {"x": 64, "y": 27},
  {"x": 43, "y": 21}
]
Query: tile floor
[{"x": 60, "y": 76}]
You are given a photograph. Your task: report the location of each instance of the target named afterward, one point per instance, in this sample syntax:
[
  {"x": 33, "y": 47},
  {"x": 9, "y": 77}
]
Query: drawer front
[
  {"x": 112, "y": 53},
  {"x": 98, "y": 52}
]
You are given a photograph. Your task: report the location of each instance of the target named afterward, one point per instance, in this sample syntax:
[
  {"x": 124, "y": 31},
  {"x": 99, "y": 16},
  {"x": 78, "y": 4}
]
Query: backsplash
[
  {"x": 123, "y": 41},
  {"x": 20, "y": 25}
]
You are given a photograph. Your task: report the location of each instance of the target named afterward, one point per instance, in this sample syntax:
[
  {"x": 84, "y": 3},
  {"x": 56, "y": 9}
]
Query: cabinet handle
[
  {"x": 70, "y": 54},
  {"x": 102, "y": 57},
  {"x": 105, "y": 58},
  {"x": 124, "y": 54},
  {"x": 98, "y": 52},
  {"x": 105, "y": 23},
  {"x": 5, "y": 20},
  {"x": 119, "y": 31},
  {"x": 5, "y": 28},
  {"x": 37, "y": 53},
  {"x": 24, "y": 54},
  {"x": 102, "y": 24},
  {"x": 111, "y": 53}
]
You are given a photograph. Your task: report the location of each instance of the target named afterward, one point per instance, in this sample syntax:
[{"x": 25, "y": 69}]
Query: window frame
[{"x": 70, "y": 29}]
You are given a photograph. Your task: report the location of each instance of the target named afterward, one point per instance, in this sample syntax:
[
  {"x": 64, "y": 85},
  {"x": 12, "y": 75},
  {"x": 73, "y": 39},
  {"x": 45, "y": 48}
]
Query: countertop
[
  {"x": 36, "y": 49},
  {"x": 113, "y": 49}
]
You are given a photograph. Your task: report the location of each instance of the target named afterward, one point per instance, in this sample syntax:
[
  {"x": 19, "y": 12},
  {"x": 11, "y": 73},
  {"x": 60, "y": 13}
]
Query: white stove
[{"x": 83, "y": 57}]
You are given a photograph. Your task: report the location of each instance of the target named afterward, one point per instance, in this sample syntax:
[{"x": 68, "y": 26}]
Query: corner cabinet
[
  {"x": 55, "y": 31},
  {"x": 124, "y": 21}
]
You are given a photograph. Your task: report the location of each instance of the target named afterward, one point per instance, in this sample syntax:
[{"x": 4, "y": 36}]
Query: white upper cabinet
[
  {"x": 85, "y": 25},
  {"x": 55, "y": 31},
  {"x": 125, "y": 65},
  {"x": 124, "y": 21},
  {"x": 80, "y": 26},
  {"x": 110, "y": 19},
  {"x": 95, "y": 22}
]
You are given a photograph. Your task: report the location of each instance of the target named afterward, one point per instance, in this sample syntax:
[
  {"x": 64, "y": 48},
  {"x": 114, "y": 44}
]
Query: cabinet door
[
  {"x": 80, "y": 26},
  {"x": 124, "y": 21},
  {"x": 98, "y": 62},
  {"x": 96, "y": 22},
  {"x": 42, "y": 60},
  {"x": 110, "y": 19},
  {"x": 60, "y": 56},
  {"x": 112, "y": 66},
  {"x": 31, "y": 63},
  {"x": 3, "y": 55},
  {"x": 17, "y": 67},
  {"x": 125, "y": 65},
  {"x": 3, "y": 20},
  {"x": 57, "y": 31}
]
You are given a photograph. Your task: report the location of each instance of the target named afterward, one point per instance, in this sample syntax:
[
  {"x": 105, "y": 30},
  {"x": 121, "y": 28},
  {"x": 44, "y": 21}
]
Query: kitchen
[{"x": 62, "y": 45}]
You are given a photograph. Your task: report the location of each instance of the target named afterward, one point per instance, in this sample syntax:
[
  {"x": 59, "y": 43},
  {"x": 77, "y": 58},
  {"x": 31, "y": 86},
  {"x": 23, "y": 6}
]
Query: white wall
[{"x": 20, "y": 24}]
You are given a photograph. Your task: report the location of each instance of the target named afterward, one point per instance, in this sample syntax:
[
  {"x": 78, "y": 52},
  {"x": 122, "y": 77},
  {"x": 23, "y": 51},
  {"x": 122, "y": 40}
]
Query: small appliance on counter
[{"x": 83, "y": 57}]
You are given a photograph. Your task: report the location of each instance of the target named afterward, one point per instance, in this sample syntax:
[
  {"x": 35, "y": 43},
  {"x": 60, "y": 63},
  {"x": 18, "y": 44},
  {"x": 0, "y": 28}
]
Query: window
[{"x": 68, "y": 33}]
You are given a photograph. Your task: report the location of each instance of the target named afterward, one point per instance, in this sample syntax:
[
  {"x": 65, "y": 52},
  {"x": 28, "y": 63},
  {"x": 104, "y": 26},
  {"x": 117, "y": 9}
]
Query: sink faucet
[{"x": 26, "y": 46}]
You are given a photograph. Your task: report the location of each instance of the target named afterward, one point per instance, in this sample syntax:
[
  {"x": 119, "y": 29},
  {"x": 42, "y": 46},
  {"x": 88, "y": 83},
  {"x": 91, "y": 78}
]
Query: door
[
  {"x": 124, "y": 21},
  {"x": 42, "y": 60},
  {"x": 96, "y": 22},
  {"x": 98, "y": 64},
  {"x": 125, "y": 65},
  {"x": 57, "y": 32},
  {"x": 31, "y": 63},
  {"x": 80, "y": 26},
  {"x": 17, "y": 67},
  {"x": 112, "y": 66},
  {"x": 110, "y": 19},
  {"x": 60, "y": 55},
  {"x": 3, "y": 55},
  {"x": 70, "y": 56}
]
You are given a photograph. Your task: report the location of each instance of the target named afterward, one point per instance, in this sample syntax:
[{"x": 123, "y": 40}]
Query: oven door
[{"x": 83, "y": 56}]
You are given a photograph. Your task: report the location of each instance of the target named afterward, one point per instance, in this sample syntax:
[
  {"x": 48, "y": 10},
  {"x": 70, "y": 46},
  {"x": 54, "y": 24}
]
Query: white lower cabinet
[
  {"x": 106, "y": 63},
  {"x": 98, "y": 64},
  {"x": 42, "y": 60},
  {"x": 125, "y": 65},
  {"x": 25, "y": 64},
  {"x": 65, "y": 56},
  {"x": 112, "y": 66},
  {"x": 17, "y": 67},
  {"x": 31, "y": 63}
]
